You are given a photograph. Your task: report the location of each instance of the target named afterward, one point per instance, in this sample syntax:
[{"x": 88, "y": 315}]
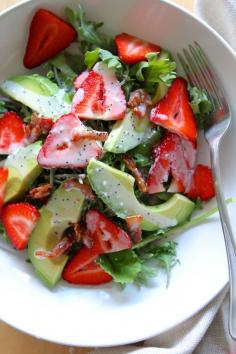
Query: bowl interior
[{"x": 107, "y": 315}]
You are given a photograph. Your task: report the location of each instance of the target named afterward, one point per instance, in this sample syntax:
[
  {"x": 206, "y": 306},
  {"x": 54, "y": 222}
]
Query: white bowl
[{"x": 106, "y": 315}]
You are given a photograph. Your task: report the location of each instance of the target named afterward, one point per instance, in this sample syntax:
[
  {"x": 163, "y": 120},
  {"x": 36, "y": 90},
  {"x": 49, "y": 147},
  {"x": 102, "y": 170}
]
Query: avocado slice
[
  {"x": 63, "y": 208},
  {"x": 116, "y": 189},
  {"x": 38, "y": 93},
  {"x": 23, "y": 169},
  {"x": 127, "y": 133}
]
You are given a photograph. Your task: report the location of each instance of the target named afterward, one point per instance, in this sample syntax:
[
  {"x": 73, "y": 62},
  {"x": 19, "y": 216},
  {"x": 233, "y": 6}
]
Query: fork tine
[
  {"x": 208, "y": 79},
  {"x": 188, "y": 72},
  {"x": 196, "y": 74}
]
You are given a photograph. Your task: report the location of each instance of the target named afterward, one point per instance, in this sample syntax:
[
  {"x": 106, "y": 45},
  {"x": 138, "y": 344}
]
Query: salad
[{"x": 98, "y": 152}]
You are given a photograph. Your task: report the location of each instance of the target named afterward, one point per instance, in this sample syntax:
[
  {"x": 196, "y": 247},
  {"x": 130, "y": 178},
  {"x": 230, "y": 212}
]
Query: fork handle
[{"x": 228, "y": 236}]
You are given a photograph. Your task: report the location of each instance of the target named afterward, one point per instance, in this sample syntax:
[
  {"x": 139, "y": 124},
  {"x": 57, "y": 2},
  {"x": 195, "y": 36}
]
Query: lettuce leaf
[
  {"x": 88, "y": 34},
  {"x": 201, "y": 107},
  {"x": 123, "y": 266},
  {"x": 112, "y": 61},
  {"x": 159, "y": 67}
]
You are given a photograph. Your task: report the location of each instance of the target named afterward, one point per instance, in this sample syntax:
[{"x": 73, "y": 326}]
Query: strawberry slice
[
  {"x": 61, "y": 150},
  {"x": 99, "y": 95},
  {"x": 132, "y": 49},
  {"x": 202, "y": 184},
  {"x": 80, "y": 79},
  {"x": 106, "y": 235},
  {"x": 91, "y": 274},
  {"x": 48, "y": 35},
  {"x": 3, "y": 185},
  {"x": 176, "y": 157},
  {"x": 12, "y": 133},
  {"x": 19, "y": 220},
  {"x": 174, "y": 112}
]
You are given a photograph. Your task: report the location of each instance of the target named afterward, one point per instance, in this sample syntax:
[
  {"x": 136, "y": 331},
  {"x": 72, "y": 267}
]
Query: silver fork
[{"x": 200, "y": 73}]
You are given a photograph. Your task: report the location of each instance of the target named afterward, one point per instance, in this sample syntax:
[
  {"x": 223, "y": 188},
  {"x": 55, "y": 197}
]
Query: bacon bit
[
  {"x": 130, "y": 164},
  {"x": 90, "y": 134},
  {"x": 84, "y": 187},
  {"x": 36, "y": 127},
  {"x": 133, "y": 223},
  {"x": 40, "y": 192},
  {"x": 77, "y": 230},
  {"x": 61, "y": 248},
  {"x": 140, "y": 101}
]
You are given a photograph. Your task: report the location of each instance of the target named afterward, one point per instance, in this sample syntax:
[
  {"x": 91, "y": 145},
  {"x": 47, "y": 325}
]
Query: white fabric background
[{"x": 206, "y": 332}]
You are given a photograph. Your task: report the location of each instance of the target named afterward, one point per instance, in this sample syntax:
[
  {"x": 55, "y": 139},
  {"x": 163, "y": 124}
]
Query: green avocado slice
[
  {"x": 23, "y": 169},
  {"x": 116, "y": 189},
  {"x": 38, "y": 93},
  {"x": 63, "y": 208},
  {"x": 128, "y": 133}
]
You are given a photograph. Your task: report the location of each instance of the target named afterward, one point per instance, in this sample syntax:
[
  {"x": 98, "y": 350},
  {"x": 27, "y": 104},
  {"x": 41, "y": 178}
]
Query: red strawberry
[
  {"x": 3, "y": 185},
  {"x": 91, "y": 274},
  {"x": 132, "y": 49},
  {"x": 106, "y": 235},
  {"x": 99, "y": 95},
  {"x": 60, "y": 150},
  {"x": 19, "y": 220},
  {"x": 176, "y": 157},
  {"x": 48, "y": 35},
  {"x": 202, "y": 184},
  {"x": 174, "y": 112},
  {"x": 12, "y": 132}
]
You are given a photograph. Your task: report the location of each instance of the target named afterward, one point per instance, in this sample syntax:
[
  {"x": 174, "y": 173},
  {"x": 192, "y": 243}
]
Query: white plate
[{"x": 106, "y": 315}]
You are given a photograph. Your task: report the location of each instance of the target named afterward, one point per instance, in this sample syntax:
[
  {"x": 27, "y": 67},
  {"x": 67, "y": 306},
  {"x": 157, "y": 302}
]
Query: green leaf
[
  {"x": 159, "y": 68},
  {"x": 138, "y": 70},
  {"x": 112, "y": 61},
  {"x": 123, "y": 266},
  {"x": 88, "y": 35},
  {"x": 164, "y": 254},
  {"x": 201, "y": 106},
  {"x": 91, "y": 57},
  {"x": 3, "y": 234},
  {"x": 60, "y": 63}
]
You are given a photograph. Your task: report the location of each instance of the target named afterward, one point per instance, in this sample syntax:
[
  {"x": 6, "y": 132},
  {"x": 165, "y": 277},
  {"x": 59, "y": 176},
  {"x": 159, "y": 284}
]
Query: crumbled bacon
[
  {"x": 36, "y": 127},
  {"x": 90, "y": 134},
  {"x": 130, "y": 164},
  {"x": 61, "y": 248},
  {"x": 139, "y": 101},
  {"x": 84, "y": 187},
  {"x": 134, "y": 225},
  {"x": 40, "y": 192}
]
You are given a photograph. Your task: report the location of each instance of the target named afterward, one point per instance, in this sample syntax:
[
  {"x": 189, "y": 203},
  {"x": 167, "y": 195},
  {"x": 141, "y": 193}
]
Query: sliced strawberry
[
  {"x": 91, "y": 274},
  {"x": 132, "y": 49},
  {"x": 48, "y": 35},
  {"x": 174, "y": 112},
  {"x": 80, "y": 79},
  {"x": 99, "y": 95},
  {"x": 106, "y": 235},
  {"x": 19, "y": 220},
  {"x": 173, "y": 157},
  {"x": 3, "y": 185},
  {"x": 59, "y": 149},
  {"x": 12, "y": 133},
  {"x": 202, "y": 184}
]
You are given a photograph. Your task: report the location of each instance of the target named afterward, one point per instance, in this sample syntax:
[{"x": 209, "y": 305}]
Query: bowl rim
[{"x": 188, "y": 13}]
